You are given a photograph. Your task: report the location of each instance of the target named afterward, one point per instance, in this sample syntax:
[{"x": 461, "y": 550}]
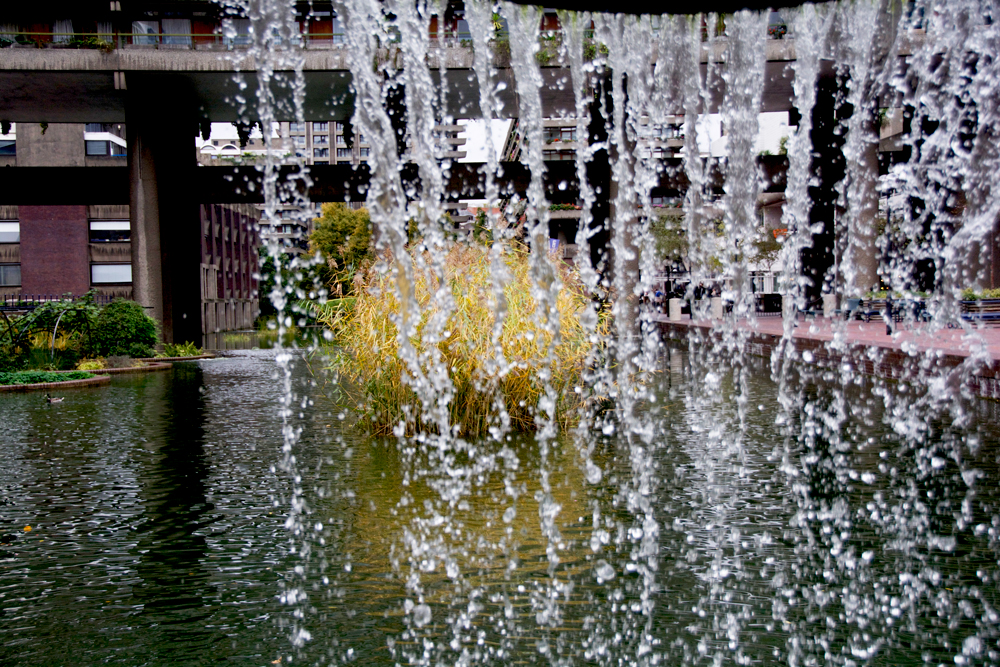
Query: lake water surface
[{"x": 157, "y": 535}]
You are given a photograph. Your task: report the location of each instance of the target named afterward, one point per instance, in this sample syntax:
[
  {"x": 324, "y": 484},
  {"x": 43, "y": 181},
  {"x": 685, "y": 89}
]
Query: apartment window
[
  {"x": 101, "y": 274},
  {"x": 321, "y": 162},
  {"x": 296, "y": 127},
  {"x": 145, "y": 32},
  {"x": 110, "y": 231},
  {"x": 341, "y": 141},
  {"x": 8, "y": 147},
  {"x": 10, "y": 232},
  {"x": 299, "y": 140},
  {"x": 558, "y": 155},
  {"x": 339, "y": 126},
  {"x": 321, "y": 139},
  {"x": 344, "y": 153},
  {"x": 559, "y": 134},
  {"x": 321, "y": 152},
  {"x": 321, "y": 127},
  {"x": 105, "y": 148},
  {"x": 365, "y": 152},
  {"x": 10, "y": 275},
  {"x": 361, "y": 139}
]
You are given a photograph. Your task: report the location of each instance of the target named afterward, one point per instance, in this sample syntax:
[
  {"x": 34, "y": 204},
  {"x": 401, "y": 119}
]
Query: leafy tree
[
  {"x": 671, "y": 238},
  {"x": 343, "y": 236},
  {"x": 766, "y": 249}
]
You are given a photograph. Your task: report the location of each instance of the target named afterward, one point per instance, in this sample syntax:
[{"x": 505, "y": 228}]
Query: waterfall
[{"x": 671, "y": 442}]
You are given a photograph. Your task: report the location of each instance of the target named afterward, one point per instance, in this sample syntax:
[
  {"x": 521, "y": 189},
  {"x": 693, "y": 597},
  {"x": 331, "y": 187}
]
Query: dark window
[
  {"x": 344, "y": 153},
  {"x": 105, "y": 148},
  {"x": 110, "y": 231},
  {"x": 10, "y": 275},
  {"x": 8, "y": 147},
  {"x": 117, "y": 129},
  {"x": 321, "y": 152}
]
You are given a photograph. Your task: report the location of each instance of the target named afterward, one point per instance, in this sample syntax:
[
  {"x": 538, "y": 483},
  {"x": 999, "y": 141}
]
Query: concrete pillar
[
  {"x": 716, "y": 308},
  {"x": 861, "y": 270},
  {"x": 674, "y": 308},
  {"x": 166, "y": 244},
  {"x": 787, "y": 304},
  {"x": 829, "y": 304}
]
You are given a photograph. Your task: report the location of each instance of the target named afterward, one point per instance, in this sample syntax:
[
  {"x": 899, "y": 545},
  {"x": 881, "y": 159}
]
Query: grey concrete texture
[{"x": 57, "y": 145}]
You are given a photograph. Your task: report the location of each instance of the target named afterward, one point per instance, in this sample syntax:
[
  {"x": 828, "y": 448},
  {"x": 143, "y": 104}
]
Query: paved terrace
[{"x": 870, "y": 350}]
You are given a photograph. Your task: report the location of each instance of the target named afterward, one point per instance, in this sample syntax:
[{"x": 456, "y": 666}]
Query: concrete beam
[{"x": 232, "y": 185}]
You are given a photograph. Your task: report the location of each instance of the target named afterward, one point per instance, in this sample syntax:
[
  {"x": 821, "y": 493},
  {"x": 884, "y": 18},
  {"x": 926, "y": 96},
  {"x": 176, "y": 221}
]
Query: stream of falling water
[{"x": 467, "y": 596}]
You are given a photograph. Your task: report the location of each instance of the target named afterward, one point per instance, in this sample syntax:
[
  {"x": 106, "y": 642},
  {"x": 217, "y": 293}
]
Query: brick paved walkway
[{"x": 955, "y": 342}]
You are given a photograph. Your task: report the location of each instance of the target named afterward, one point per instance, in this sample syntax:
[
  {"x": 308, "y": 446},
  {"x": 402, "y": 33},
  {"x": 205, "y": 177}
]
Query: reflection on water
[
  {"x": 157, "y": 534},
  {"x": 251, "y": 339}
]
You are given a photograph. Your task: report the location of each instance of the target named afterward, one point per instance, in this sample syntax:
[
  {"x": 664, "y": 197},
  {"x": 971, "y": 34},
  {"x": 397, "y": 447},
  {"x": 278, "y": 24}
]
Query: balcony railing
[{"x": 124, "y": 40}]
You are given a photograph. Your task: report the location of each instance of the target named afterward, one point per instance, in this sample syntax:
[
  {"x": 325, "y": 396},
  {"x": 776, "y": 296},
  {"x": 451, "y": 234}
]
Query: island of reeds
[{"x": 495, "y": 368}]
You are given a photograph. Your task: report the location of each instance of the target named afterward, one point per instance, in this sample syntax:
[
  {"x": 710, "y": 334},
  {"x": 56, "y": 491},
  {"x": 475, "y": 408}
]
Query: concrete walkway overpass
[{"x": 166, "y": 92}]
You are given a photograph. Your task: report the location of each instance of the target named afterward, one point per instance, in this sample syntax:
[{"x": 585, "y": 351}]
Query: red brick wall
[{"x": 54, "y": 249}]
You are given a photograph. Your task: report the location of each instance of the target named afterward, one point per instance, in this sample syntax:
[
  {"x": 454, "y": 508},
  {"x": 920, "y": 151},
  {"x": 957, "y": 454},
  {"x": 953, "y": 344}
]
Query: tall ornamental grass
[{"x": 373, "y": 379}]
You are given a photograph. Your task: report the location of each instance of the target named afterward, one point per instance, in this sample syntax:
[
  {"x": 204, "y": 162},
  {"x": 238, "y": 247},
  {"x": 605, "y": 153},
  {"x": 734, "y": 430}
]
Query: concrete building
[{"x": 50, "y": 251}]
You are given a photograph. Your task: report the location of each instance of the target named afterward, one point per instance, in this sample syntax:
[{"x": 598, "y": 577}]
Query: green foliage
[
  {"x": 84, "y": 330},
  {"x": 481, "y": 229},
  {"x": 766, "y": 248},
  {"x": 25, "y": 342},
  {"x": 970, "y": 294},
  {"x": 91, "y": 364},
  {"x": 187, "y": 349},
  {"x": 592, "y": 49},
  {"x": 783, "y": 145},
  {"x": 343, "y": 237},
  {"x": 671, "y": 239},
  {"x": 38, "y": 377},
  {"x": 124, "y": 328}
]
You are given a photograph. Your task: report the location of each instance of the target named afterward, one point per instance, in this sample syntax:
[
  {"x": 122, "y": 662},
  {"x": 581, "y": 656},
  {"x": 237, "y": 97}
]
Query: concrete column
[
  {"x": 166, "y": 244},
  {"x": 829, "y": 304},
  {"x": 674, "y": 308},
  {"x": 862, "y": 255},
  {"x": 716, "y": 307}
]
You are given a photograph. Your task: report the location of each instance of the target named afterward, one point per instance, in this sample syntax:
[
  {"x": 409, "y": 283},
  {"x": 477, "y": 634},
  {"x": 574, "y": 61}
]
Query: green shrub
[
  {"x": 970, "y": 294},
  {"x": 187, "y": 349},
  {"x": 123, "y": 328},
  {"x": 36, "y": 377}
]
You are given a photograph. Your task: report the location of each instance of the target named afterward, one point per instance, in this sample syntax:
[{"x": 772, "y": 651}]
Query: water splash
[{"x": 835, "y": 598}]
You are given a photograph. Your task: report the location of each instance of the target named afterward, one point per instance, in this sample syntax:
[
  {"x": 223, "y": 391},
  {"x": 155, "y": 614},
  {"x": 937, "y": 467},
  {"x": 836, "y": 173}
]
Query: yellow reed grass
[{"x": 374, "y": 380}]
